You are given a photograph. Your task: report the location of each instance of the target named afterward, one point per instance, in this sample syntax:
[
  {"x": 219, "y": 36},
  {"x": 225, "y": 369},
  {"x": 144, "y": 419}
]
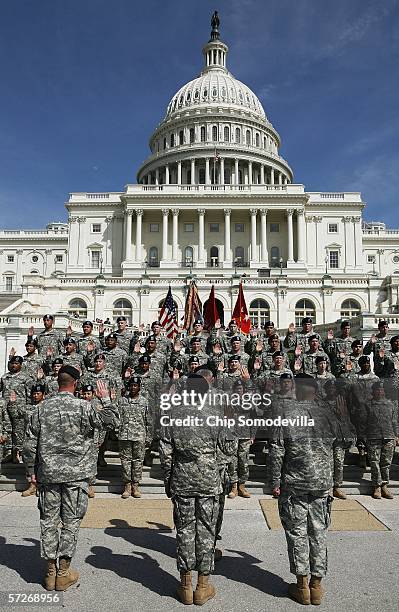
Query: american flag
[{"x": 167, "y": 316}]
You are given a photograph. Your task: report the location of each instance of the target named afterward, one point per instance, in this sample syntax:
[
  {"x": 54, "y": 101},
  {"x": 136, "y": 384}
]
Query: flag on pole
[
  {"x": 240, "y": 312},
  {"x": 193, "y": 307},
  {"x": 167, "y": 316},
  {"x": 211, "y": 315},
  {"x": 216, "y": 156}
]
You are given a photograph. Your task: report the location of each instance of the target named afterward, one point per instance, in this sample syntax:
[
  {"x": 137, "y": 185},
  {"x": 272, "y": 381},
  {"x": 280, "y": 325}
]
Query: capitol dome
[{"x": 215, "y": 118}]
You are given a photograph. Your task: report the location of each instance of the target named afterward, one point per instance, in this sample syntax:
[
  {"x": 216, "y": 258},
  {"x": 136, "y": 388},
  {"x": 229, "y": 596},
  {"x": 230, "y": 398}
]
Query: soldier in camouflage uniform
[
  {"x": 134, "y": 430},
  {"x": 303, "y": 458},
  {"x": 37, "y": 396},
  {"x": 5, "y": 427},
  {"x": 49, "y": 341},
  {"x": 18, "y": 383},
  {"x": 51, "y": 382},
  {"x": 216, "y": 355},
  {"x": 32, "y": 361},
  {"x": 338, "y": 349},
  {"x": 236, "y": 349},
  {"x": 122, "y": 334},
  {"x": 195, "y": 351},
  {"x": 264, "y": 354},
  {"x": 87, "y": 337},
  {"x": 71, "y": 356},
  {"x": 87, "y": 393},
  {"x": 239, "y": 464},
  {"x": 197, "y": 333},
  {"x": 164, "y": 345},
  {"x": 309, "y": 357},
  {"x": 115, "y": 357},
  {"x": 322, "y": 374},
  {"x": 378, "y": 341},
  {"x": 379, "y": 426},
  {"x": 386, "y": 365},
  {"x": 294, "y": 339},
  {"x": 58, "y": 451},
  {"x": 281, "y": 401},
  {"x": 352, "y": 361},
  {"x": 226, "y": 337}
]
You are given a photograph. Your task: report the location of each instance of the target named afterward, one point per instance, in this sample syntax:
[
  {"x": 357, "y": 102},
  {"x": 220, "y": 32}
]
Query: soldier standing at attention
[
  {"x": 49, "y": 338},
  {"x": 58, "y": 453}
]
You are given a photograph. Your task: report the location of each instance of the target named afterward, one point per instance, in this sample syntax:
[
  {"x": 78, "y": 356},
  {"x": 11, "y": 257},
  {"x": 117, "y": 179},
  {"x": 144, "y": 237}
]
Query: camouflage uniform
[
  {"x": 294, "y": 339},
  {"x": 75, "y": 360},
  {"x": 21, "y": 383},
  {"x": 244, "y": 358},
  {"x": 382, "y": 342},
  {"x": 303, "y": 458},
  {"x": 51, "y": 385},
  {"x": 51, "y": 338},
  {"x": 32, "y": 363},
  {"x": 83, "y": 341},
  {"x": 346, "y": 436},
  {"x": 203, "y": 338},
  {"x": 133, "y": 432},
  {"x": 59, "y": 448},
  {"x": 309, "y": 362},
  {"x": 338, "y": 350},
  {"x": 115, "y": 361},
  {"x": 5, "y": 426}
]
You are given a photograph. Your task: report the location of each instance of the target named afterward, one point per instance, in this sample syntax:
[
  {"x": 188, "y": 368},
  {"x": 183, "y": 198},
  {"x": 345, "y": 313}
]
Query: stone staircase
[{"x": 357, "y": 480}]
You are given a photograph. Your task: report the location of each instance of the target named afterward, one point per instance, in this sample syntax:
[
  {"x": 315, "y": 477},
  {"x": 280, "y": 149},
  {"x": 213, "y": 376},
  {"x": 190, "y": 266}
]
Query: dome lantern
[{"x": 215, "y": 51}]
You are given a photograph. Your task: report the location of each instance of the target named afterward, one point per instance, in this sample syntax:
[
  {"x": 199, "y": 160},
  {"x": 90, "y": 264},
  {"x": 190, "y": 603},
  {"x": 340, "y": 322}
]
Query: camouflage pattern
[
  {"x": 380, "y": 454},
  {"x": 21, "y": 383},
  {"x": 244, "y": 358},
  {"x": 339, "y": 451},
  {"x": 75, "y": 360},
  {"x": 131, "y": 453},
  {"x": 338, "y": 350},
  {"x": 239, "y": 464},
  {"x": 382, "y": 342},
  {"x": 203, "y": 336},
  {"x": 32, "y": 363},
  {"x": 294, "y": 339},
  {"x": 52, "y": 338},
  {"x": 378, "y": 419},
  {"x": 5, "y": 427},
  {"x": 387, "y": 366},
  {"x": 51, "y": 385},
  {"x": 355, "y": 369},
  {"x": 64, "y": 504},
  {"x": 309, "y": 362},
  {"x": 134, "y": 423},
  {"x": 112, "y": 382},
  {"x": 115, "y": 361},
  {"x": 83, "y": 341}
]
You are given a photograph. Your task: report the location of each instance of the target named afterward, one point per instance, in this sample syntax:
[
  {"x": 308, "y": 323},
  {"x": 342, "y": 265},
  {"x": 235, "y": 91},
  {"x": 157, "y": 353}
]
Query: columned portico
[
  {"x": 263, "y": 226},
  {"x": 290, "y": 214},
  {"x": 201, "y": 238},
  {"x": 128, "y": 235},
  {"x": 165, "y": 220},
  {"x": 227, "y": 263},
  {"x": 254, "y": 254},
  {"x": 175, "y": 237}
]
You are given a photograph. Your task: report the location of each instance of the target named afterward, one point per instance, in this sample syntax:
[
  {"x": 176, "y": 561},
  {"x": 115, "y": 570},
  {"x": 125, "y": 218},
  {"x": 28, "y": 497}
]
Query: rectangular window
[
  {"x": 370, "y": 258},
  {"x": 333, "y": 228},
  {"x": 214, "y": 227},
  {"x": 95, "y": 259},
  {"x": 239, "y": 227},
  {"x": 96, "y": 228},
  {"x": 154, "y": 227},
  {"x": 58, "y": 258},
  {"x": 9, "y": 280},
  {"x": 10, "y": 258},
  {"x": 189, "y": 227},
  {"x": 334, "y": 259},
  {"x": 274, "y": 227}
]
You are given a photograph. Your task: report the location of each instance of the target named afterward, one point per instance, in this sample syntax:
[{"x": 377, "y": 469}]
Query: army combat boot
[
  {"x": 385, "y": 492},
  {"x": 300, "y": 591},
  {"x": 204, "y": 591},
  {"x": 91, "y": 493},
  {"x": 135, "y": 490},
  {"x": 218, "y": 554},
  {"x": 127, "y": 491},
  {"x": 185, "y": 590},
  {"x": 66, "y": 576},
  {"x": 51, "y": 573},
  {"x": 376, "y": 494},
  {"x": 316, "y": 592},
  {"x": 338, "y": 493},
  {"x": 31, "y": 490},
  {"x": 242, "y": 492},
  {"x": 234, "y": 491}
]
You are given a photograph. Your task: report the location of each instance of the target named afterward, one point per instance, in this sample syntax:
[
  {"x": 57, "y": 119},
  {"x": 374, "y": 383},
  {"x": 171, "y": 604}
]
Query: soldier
[
  {"x": 255, "y": 336},
  {"x": 378, "y": 341},
  {"x": 5, "y": 427},
  {"x": 71, "y": 357},
  {"x": 379, "y": 426},
  {"x": 225, "y": 380},
  {"x": 301, "y": 457},
  {"x": 122, "y": 334},
  {"x": 134, "y": 430},
  {"x": 281, "y": 400},
  {"x": 32, "y": 361},
  {"x": 386, "y": 363},
  {"x": 338, "y": 349},
  {"x": 352, "y": 361},
  {"x": 216, "y": 355},
  {"x": 232, "y": 332},
  {"x": 322, "y": 374},
  {"x": 37, "y": 396},
  {"x": 51, "y": 382},
  {"x": 87, "y": 337},
  {"x": 115, "y": 357},
  {"x": 308, "y": 358},
  {"x": 236, "y": 349},
  {"x": 198, "y": 332},
  {"x": 58, "y": 451},
  {"x": 294, "y": 339},
  {"x": 239, "y": 464},
  {"x": 49, "y": 338},
  {"x": 87, "y": 393},
  {"x": 273, "y": 375},
  {"x": 163, "y": 343},
  {"x": 265, "y": 353}
]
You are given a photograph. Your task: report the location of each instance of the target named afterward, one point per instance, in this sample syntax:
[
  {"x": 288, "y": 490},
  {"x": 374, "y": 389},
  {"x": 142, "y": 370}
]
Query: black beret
[
  {"x": 48, "y": 317},
  {"x": 345, "y": 324},
  {"x": 312, "y": 337},
  {"x": 364, "y": 359},
  {"x": 268, "y": 324},
  {"x": 286, "y": 376},
  {"x": 145, "y": 359},
  {"x": 194, "y": 339},
  {"x": 151, "y": 338},
  {"x": 57, "y": 360},
  {"x": 306, "y": 320},
  {"x": 88, "y": 388},
  {"x": 198, "y": 322},
  {"x": 87, "y": 323},
  {"x": 38, "y": 387},
  {"x": 356, "y": 343},
  {"x": 112, "y": 336},
  {"x": 17, "y": 359},
  {"x": 135, "y": 380},
  {"x": 274, "y": 337},
  {"x": 233, "y": 322},
  {"x": 277, "y": 354},
  {"x": 381, "y": 323},
  {"x": 155, "y": 323},
  {"x": 377, "y": 385},
  {"x": 68, "y": 369},
  {"x": 234, "y": 358},
  {"x": 321, "y": 358},
  {"x": 306, "y": 380},
  {"x": 99, "y": 357},
  {"x": 30, "y": 342},
  {"x": 193, "y": 359},
  {"x": 69, "y": 341},
  {"x": 235, "y": 339},
  {"x": 394, "y": 339},
  {"x": 121, "y": 318}
]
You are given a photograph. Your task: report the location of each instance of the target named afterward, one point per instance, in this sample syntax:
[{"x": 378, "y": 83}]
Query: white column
[
  {"x": 221, "y": 171},
  {"x": 167, "y": 174},
  {"x": 227, "y": 243},
  {"x": 301, "y": 235},
  {"x": 272, "y": 176},
  {"x": 139, "y": 221},
  {"x": 193, "y": 171},
  {"x": 207, "y": 176},
  {"x": 236, "y": 173},
  {"x": 262, "y": 174},
  {"x": 165, "y": 219},
  {"x": 280, "y": 178},
  {"x": 254, "y": 258},
  {"x": 250, "y": 177},
  {"x": 157, "y": 176},
  {"x": 175, "y": 236},
  {"x": 263, "y": 226},
  {"x": 128, "y": 235},
  {"x": 179, "y": 172},
  {"x": 290, "y": 212},
  {"x": 201, "y": 238}
]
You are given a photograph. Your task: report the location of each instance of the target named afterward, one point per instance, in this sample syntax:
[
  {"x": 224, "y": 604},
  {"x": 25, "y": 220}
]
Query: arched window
[
  {"x": 239, "y": 258},
  {"x": 274, "y": 257},
  {"x": 188, "y": 256},
  {"x": 181, "y": 137},
  {"x": 164, "y": 143},
  {"x": 77, "y": 308},
  {"x": 248, "y": 137},
  {"x": 350, "y": 309},
  {"x": 153, "y": 259},
  {"x": 259, "y": 312},
  {"x": 257, "y": 141},
  {"x": 304, "y": 308},
  {"x": 172, "y": 140},
  {"x": 201, "y": 176},
  {"x": 122, "y": 308},
  {"x": 214, "y": 257},
  {"x": 264, "y": 142},
  {"x": 226, "y": 133},
  {"x": 238, "y": 135},
  {"x": 203, "y": 134},
  {"x": 192, "y": 135},
  {"x": 214, "y": 133}
]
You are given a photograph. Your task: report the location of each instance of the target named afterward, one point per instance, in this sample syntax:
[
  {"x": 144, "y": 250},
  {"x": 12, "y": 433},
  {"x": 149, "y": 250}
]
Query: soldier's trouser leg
[
  {"x": 374, "y": 452},
  {"x": 305, "y": 519},
  {"x": 138, "y": 450},
  {"x": 387, "y": 451},
  {"x": 219, "y": 521},
  {"x": 195, "y": 520},
  {"x": 243, "y": 460},
  {"x": 339, "y": 458},
  {"x": 125, "y": 454},
  {"x": 18, "y": 433},
  {"x": 232, "y": 466},
  {"x": 65, "y": 503}
]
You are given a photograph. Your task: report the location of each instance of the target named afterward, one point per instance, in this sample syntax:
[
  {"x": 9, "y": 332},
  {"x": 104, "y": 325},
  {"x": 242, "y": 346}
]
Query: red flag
[
  {"x": 193, "y": 307},
  {"x": 240, "y": 312},
  {"x": 211, "y": 314}
]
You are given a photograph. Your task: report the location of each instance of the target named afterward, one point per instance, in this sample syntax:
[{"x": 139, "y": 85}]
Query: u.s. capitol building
[{"x": 214, "y": 201}]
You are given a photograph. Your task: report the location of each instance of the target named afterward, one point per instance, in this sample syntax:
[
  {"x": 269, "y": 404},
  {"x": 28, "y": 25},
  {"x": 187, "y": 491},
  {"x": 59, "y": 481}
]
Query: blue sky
[{"x": 85, "y": 82}]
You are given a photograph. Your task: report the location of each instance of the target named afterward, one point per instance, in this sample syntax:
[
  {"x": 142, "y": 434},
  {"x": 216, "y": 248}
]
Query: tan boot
[
  {"x": 376, "y": 494},
  {"x": 66, "y": 576},
  {"x": 385, "y": 492},
  {"x": 51, "y": 573},
  {"x": 242, "y": 492},
  {"x": 185, "y": 590},
  {"x": 338, "y": 493},
  {"x": 31, "y": 490},
  {"x": 234, "y": 491},
  {"x": 91, "y": 493},
  {"x": 316, "y": 592},
  {"x": 135, "y": 490},
  {"x": 300, "y": 591},
  {"x": 204, "y": 591},
  {"x": 127, "y": 491}
]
